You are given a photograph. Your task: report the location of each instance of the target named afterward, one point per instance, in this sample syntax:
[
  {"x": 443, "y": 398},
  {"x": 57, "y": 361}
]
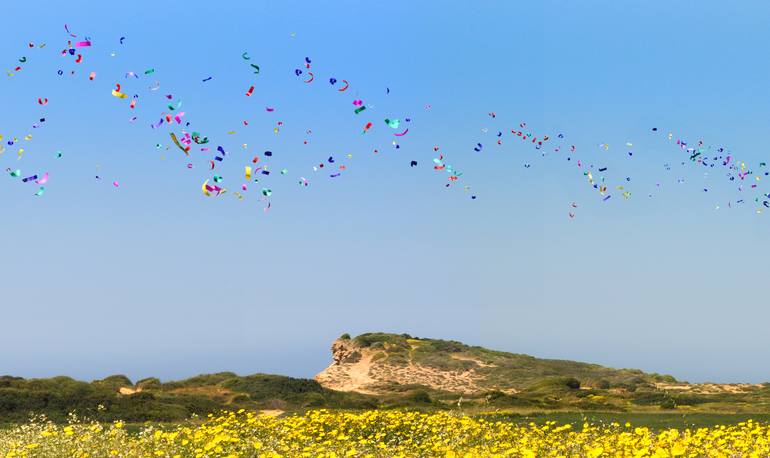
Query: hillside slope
[
  {"x": 377, "y": 363},
  {"x": 381, "y": 364}
]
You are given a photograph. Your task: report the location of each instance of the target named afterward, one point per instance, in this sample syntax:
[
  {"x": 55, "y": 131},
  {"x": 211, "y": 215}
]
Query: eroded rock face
[
  {"x": 349, "y": 370},
  {"x": 342, "y": 350},
  {"x": 366, "y": 370}
]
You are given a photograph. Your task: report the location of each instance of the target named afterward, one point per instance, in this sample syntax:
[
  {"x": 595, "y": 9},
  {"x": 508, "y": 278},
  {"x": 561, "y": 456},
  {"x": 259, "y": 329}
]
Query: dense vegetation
[
  {"x": 174, "y": 401},
  {"x": 537, "y": 385}
]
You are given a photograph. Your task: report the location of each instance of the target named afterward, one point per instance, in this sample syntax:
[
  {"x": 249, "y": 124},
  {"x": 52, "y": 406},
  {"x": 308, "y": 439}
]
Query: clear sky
[{"x": 152, "y": 278}]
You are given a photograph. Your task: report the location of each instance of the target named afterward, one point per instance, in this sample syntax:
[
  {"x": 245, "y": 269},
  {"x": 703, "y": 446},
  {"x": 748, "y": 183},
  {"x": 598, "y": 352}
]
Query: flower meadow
[{"x": 323, "y": 433}]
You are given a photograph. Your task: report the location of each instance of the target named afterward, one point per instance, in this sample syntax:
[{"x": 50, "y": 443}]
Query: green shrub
[
  {"x": 692, "y": 399},
  {"x": 242, "y": 398},
  {"x": 263, "y": 386},
  {"x": 314, "y": 400},
  {"x": 353, "y": 357},
  {"x": 201, "y": 380},
  {"x": 649, "y": 398},
  {"x": 492, "y": 395},
  {"x": 419, "y": 397},
  {"x": 114, "y": 381},
  {"x": 572, "y": 383},
  {"x": 148, "y": 383},
  {"x": 370, "y": 339},
  {"x": 668, "y": 403}
]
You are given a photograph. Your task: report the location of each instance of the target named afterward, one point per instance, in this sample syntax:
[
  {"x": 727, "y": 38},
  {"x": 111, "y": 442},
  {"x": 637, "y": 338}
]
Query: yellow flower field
[{"x": 324, "y": 433}]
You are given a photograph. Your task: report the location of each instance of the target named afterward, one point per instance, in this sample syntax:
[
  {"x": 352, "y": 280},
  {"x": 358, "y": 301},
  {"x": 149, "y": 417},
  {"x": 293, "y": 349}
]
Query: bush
[
  {"x": 150, "y": 382},
  {"x": 353, "y": 357},
  {"x": 649, "y": 398},
  {"x": 345, "y": 336},
  {"x": 492, "y": 395},
  {"x": 262, "y": 386},
  {"x": 572, "y": 383},
  {"x": 242, "y": 398},
  {"x": 419, "y": 397},
  {"x": 663, "y": 378},
  {"x": 552, "y": 386},
  {"x": 449, "y": 346},
  {"x": 661, "y": 398},
  {"x": 115, "y": 381},
  {"x": 397, "y": 359},
  {"x": 201, "y": 380},
  {"x": 692, "y": 399},
  {"x": 624, "y": 386},
  {"x": 668, "y": 403},
  {"x": 314, "y": 400},
  {"x": 378, "y": 340},
  {"x": 7, "y": 380}
]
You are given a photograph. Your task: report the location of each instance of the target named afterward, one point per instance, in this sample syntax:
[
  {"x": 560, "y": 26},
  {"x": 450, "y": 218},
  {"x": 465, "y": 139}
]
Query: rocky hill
[{"x": 378, "y": 363}]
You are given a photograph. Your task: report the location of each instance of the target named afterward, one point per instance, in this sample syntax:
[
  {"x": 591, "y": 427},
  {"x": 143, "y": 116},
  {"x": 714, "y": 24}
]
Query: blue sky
[{"x": 154, "y": 279}]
